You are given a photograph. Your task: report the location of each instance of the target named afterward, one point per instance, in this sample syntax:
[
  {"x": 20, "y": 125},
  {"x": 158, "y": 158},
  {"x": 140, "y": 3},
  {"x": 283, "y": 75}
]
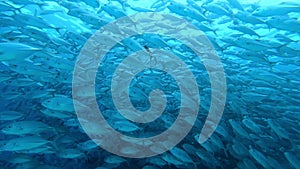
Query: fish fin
[
  {"x": 226, "y": 151},
  {"x": 28, "y": 59},
  {"x": 19, "y": 9},
  {"x": 35, "y": 13},
  {"x": 58, "y": 30},
  {"x": 54, "y": 145},
  {"x": 215, "y": 31},
  {"x": 284, "y": 45}
]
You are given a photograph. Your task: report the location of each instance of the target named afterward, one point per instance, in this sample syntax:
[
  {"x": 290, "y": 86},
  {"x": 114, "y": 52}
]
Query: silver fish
[
  {"x": 25, "y": 127},
  {"x": 23, "y": 143},
  {"x": 16, "y": 51}
]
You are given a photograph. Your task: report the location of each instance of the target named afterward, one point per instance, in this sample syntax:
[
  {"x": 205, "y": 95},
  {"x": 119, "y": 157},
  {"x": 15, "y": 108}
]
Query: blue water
[{"x": 258, "y": 44}]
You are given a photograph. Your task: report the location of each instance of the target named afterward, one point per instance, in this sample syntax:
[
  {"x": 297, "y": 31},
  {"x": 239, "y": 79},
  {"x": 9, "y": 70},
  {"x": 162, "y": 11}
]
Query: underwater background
[{"x": 256, "y": 41}]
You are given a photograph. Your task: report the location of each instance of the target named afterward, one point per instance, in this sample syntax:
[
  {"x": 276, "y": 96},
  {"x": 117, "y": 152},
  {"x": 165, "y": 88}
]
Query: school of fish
[{"x": 259, "y": 46}]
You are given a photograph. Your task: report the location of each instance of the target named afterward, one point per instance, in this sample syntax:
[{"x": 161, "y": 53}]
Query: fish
[
  {"x": 156, "y": 41},
  {"x": 113, "y": 11},
  {"x": 10, "y": 115},
  {"x": 149, "y": 167},
  {"x": 292, "y": 159},
  {"x": 181, "y": 155},
  {"x": 244, "y": 29},
  {"x": 92, "y": 3},
  {"x": 132, "y": 44},
  {"x": 217, "y": 9},
  {"x": 29, "y": 68},
  {"x": 284, "y": 23},
  {"x": 281, "y": 132},
  {"x": 273, "y": 163},
  {"x": 252, "y": 45},
  {"x": 23, "y": 143},
  {"x": 20, "y": 82},
  {"x": 69, "y": 153},
  {"x": 275, "y": 10},
  {"x": 31, "y": 20},
  {"x": 40, "y": 150},
  {"x": 20, "y": 158},
  {"x": 157, "y": 161},
  {"x": 35, "y": 33},
  {"x": 248, "y": 18},
  {"x": 240, "y": 149},
  {"x": 113, "y": 159},
  {"x": 25, "y": 127},
  {"x": 16, "y": 51},
  {"x": 126, "y": 126},
  {"x": 138, "y": 9},
  {"x": 249, "y": 164},
  {"x": 171, "y": 159},
  {"x": 59, "y": 103},
  {"x": 259, "y": 157},
  {"x": 4, "y": 7},
  {"x": 57, "y": 113},
  {"x": 238, "y": 128},
  {"x": 87, "y": 145},
  {"x": 251, "y": 125},
  {"x": 158, "y": 4},
  {"x": 45, "y": 58},
  {"x": 236, "y": 4},
  {"x": 26, "y": 2},
  {"x": 183, "y": 10},
  {"x": 207, "y": 158}
]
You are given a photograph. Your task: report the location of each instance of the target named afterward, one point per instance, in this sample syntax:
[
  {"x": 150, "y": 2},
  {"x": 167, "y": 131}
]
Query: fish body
[
  {"x": 10, "y": 115},
  {"x": 25, "y": 127},
  {"x": 23, "y": 143},
  {"x": 16, "y": 51},
  {"x": 60, "y": 103}
]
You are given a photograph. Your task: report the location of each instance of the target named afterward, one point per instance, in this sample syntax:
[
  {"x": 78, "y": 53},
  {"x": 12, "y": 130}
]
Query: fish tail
[
  {"x": 164, "y": 6},
  {"x": 52, "y": 143},
  {"x": 280, "y": 47},
  {"x": 19, "y": 9},
  {"x": 258, "y": 35},
  {"x": 226, "y": 151},
  {"x": 204, "y": 10},
  {"x": 232, "y": 15},
  {"x": 41, "y": 5},
  {"x": 215, "y": 31},
  {"x": 58, "y": 29},
  {"x": 210, "y": 21},
  {"x": 16, "y": 9}
]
